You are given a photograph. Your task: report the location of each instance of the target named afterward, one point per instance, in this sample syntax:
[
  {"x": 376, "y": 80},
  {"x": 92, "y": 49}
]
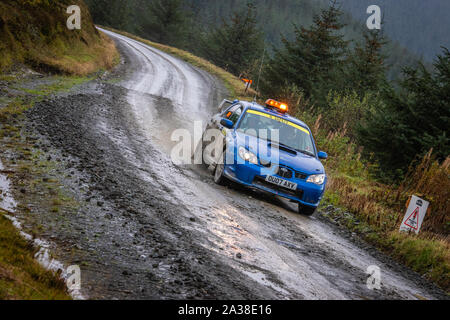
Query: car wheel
[
  {"x": 219, "y": 178},
  {"x": 306, "y": 210}
]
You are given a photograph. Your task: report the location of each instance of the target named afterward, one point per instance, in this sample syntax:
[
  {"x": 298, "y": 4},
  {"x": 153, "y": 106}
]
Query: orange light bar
[{"x": 280, "y": 106}]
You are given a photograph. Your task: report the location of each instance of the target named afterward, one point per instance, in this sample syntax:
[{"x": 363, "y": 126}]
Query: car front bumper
[{"x": 250, "y": 175}]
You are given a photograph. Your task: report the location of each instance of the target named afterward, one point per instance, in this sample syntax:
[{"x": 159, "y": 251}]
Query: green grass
[
  {"x": 426, "y": 256},
  {"x": 7, "y": 78},
  {"x": 21, "y": 277},
  {"x": 59, "y": 84},
  {"x": 13, "y": 109}
]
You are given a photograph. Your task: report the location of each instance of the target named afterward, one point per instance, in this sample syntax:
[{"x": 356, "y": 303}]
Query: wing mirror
[
  {"x": 227, "y": 123},
  {"x": 226, "y": 103},
  {"x": 323, "y": 155}
]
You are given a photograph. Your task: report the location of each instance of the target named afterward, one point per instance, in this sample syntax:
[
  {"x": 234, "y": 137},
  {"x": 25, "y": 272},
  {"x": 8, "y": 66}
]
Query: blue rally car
[{"x": 263, "y": 147}]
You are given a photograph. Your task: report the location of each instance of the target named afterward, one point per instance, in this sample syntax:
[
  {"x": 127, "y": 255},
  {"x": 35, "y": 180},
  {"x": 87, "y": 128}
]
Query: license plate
[{"x": 281, "y": 182}]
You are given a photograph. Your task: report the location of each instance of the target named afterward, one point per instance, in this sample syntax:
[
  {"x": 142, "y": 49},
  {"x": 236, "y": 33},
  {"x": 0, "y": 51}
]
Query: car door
[{"x": 232, "y": 113}]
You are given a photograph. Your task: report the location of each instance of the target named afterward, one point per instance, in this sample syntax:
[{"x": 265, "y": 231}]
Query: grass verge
[
  {"x": 80, "y": 59},
  {"x": 21, "y": 277}
]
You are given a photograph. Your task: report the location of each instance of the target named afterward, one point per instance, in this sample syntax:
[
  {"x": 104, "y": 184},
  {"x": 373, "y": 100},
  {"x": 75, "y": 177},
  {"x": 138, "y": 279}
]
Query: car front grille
[
  {"x": 287, "y": 172},
  {"x": 284, "y": 172}
]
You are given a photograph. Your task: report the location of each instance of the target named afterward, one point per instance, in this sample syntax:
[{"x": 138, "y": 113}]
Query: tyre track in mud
[{"x": 150, "y": 229}]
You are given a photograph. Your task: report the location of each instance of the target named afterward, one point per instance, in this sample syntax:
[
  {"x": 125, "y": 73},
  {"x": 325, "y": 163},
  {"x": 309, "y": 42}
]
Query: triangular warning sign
[{"x": 413, "y": 220}]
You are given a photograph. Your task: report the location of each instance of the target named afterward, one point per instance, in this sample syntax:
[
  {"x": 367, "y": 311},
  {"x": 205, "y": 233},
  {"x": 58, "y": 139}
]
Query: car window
[
  {"x": 224, "y": 113},
  {"x": 234, "y": 113},
  {"x": 278, "y": 130}
]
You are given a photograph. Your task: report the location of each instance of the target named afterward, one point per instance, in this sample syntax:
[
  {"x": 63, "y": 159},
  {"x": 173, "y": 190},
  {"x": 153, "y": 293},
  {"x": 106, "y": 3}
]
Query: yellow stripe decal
[{"x": 278, "y": 119}]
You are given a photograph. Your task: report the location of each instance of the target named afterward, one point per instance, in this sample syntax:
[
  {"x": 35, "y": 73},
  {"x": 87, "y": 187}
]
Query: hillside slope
[
  {"x": 34, "y": 32},
  {"x": 421, "y": 26}
]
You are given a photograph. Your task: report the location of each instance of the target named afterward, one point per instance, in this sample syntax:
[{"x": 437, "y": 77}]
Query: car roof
[{"x": 258, "y": 107}]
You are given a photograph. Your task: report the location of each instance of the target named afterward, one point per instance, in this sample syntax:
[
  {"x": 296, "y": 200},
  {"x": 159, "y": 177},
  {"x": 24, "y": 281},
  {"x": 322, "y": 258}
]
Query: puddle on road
[
  {"x": 7, "y": 201},
  {"x": 261, "y": 279},
  {"x": 162, "y": 125}
]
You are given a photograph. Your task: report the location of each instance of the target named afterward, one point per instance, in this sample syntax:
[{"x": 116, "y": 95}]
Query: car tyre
[
  {"x": 219, "y": 177},
  {"x": 306, "y": 210}
]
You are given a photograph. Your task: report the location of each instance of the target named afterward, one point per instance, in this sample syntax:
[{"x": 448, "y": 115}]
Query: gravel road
[{"x": 149, "y": 229}]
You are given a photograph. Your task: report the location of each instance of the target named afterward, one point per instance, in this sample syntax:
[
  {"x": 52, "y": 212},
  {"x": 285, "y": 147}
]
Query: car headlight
[
  {"x": 247, "y": 155},
  {"x": 317, "y": 179}
]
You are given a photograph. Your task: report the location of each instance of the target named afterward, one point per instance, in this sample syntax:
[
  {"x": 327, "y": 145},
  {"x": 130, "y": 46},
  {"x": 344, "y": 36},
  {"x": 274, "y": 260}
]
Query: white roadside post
[{"x": 414, "y": 215}]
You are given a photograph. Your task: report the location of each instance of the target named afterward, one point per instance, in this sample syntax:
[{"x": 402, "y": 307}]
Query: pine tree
[
  {"x": 313, "y": 61},
  {"x": 366, "y": 66},
  {"x": 167, "y": 23},
  {"x": 112, "y": 13},
  {"x": 237, "y": 43},
  {"x": 414, "y": 120}
]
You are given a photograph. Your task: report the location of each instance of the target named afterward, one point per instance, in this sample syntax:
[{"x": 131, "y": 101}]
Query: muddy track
[{"x": 148, "y": 229}]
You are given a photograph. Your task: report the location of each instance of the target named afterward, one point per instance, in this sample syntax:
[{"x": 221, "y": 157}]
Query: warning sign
[
  {"x": 248, "y": 82},
  {"x": 414, "y": 215}
]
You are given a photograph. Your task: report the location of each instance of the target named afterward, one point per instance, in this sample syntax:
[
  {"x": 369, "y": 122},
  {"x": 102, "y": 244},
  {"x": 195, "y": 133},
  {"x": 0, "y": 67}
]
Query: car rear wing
[{"x": 225, "y": 103}]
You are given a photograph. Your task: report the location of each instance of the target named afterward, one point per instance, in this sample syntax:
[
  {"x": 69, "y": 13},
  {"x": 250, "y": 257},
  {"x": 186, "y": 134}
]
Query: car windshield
[{"x": 277, "y": 130}]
